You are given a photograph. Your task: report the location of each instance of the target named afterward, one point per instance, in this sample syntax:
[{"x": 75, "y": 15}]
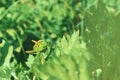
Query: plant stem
[{"x": 103, "y": 68}]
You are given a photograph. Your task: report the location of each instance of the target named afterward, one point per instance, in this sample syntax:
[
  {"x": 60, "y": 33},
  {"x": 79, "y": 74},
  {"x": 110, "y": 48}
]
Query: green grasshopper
[{"x": 38, "y": 47}]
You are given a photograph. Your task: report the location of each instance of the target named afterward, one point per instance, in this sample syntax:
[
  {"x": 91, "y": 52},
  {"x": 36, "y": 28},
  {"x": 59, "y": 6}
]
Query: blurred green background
[{"x": 83, "y": 32}]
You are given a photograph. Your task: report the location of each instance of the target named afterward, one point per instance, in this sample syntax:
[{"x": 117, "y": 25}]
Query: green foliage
[
  {"x": 24, "y": 20},
  {"x": 40, "y": 16},
  {"x": 101, "y": 34},
  {"x": 6, "y": 52},
  {"x": 5, "y": 73},
  {"x": 68, "y": 61},
  {"x": 88, "y": 50}
]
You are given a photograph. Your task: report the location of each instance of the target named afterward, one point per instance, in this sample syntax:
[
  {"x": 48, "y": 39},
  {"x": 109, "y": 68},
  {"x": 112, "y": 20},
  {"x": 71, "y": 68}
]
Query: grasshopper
[{"x": 38, "y": 47}]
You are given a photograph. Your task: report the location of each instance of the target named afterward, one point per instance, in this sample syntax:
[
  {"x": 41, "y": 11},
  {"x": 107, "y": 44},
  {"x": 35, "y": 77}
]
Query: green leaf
[
  {"x": 30, "y": 61},
  {"x": 8, "y": 57},
  {"x": 5, "y": 73},
  {"x": 70, "y": 64},
  {"x": 4, "y": 52}
]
